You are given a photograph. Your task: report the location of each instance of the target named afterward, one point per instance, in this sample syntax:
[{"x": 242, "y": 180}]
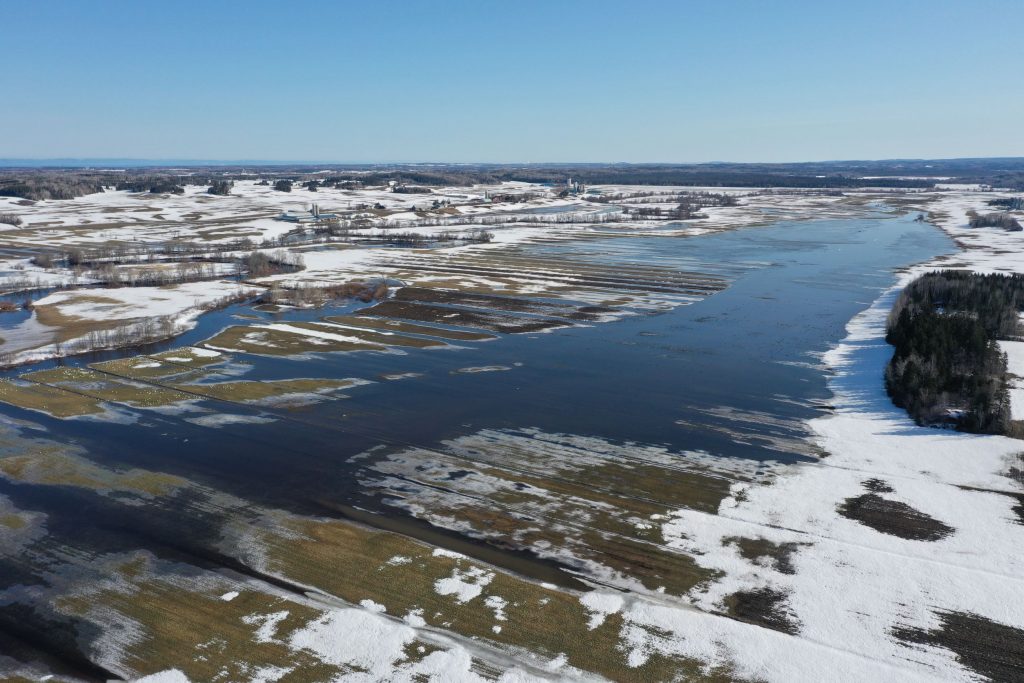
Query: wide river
[{"x": 736, "y": 374}]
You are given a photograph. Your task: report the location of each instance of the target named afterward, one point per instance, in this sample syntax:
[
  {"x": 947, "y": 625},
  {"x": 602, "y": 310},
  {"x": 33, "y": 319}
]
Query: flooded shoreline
[{"x": 559, "y": 470}]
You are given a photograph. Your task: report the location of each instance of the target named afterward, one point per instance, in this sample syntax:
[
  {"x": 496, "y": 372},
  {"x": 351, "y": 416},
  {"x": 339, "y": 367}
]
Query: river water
[{"x": 735, "y": 375}]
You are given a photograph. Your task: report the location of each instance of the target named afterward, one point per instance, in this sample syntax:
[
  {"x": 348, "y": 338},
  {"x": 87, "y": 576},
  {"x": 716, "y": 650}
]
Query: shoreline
[
  {"x": 927, "y": 469},
  {"x": 861, "y": 598}
]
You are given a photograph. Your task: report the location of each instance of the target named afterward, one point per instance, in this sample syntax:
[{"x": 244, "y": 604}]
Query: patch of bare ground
[
  {"x": 1018, "y": 509},
  {"x": 183, "y": 620},
  {"x": 367, "y": 322},
  {"x": 70, "y": 327},
  {"x": 893, "y": 518},
  {"x": 148, "y": 368},
  {"x": 1016, "y": 469},
  {"x": 50, "y": 400},
  {"x": 501, "y": 303},
  {"x": 877, "y": 486},
  {"x": 91, "y": 383},
  {"x": 609, "y": 281},
  {"x": 386, "y": 339},
  {"x": 51, "y": 467},
  {"x": 987, "y": 648},
  {"x": 246, "y": 390},
  {"x": 594, "y": 531},
  {"x": 273, "y": 342},
  {"x": 486, "y": 320},
  {"x": 353, "y": 563},
  {"x": 778, "y": 556},
  {"x": 203, "y": 636},
  {"x": 764, "y": 607}
]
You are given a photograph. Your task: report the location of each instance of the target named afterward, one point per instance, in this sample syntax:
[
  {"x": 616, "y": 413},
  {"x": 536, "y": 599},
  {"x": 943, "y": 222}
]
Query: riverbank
[{"x": 904, "y": 539}]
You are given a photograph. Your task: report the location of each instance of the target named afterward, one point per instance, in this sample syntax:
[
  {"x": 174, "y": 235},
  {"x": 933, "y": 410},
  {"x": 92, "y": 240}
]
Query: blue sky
[{"x": 517, "y": 81}]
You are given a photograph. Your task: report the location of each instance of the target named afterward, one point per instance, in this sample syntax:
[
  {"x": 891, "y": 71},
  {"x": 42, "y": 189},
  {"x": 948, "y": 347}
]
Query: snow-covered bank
[
  {"x": 84, "y": 319},
  {"x": 852, "y": 588}
]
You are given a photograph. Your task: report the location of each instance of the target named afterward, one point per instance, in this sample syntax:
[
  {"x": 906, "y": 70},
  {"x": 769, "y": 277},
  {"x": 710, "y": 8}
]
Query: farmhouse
[{"x": 313, "y": 215}]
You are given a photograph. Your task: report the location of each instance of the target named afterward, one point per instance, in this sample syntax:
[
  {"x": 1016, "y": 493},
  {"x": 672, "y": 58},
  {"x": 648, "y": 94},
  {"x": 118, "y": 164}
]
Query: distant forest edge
[
  {"x": 947, "y": 367},
  {"x": 66, "y": 182}
]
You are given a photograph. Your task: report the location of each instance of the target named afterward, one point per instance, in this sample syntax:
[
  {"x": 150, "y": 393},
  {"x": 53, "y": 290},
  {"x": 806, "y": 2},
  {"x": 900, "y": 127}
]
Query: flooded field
[{"x": 495, "y": 466}]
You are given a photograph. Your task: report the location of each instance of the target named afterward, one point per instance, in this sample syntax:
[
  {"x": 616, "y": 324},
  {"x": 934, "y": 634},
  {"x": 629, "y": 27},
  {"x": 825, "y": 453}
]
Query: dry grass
[
  {"x": 12, "y": 521},
  {"x": 202, "y": 636},
  {"x": 260, "y": 390},
  {"x": 50, "y": 400},
  {"x": 186, "y": 355},
  {"x": 72, "y": 327},
  {"x": 352, "y": 563},
  {"x": 374, "y": 337},
  {"x": 54, "y": 468},
  {"x": 389, "y": 325},
  {"x": 147, "y": 368},
  {"x": 270, "y": 342},
  {"x": 100, "y": 386}
]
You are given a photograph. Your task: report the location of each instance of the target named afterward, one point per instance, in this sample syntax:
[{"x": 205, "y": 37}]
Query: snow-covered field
[{"x": 144, "y": 228}]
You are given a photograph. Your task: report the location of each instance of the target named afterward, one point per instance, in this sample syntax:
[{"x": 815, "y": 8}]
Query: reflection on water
[{"x": 732, "y": 375}]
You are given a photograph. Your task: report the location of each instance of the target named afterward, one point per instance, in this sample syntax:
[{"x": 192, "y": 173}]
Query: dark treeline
[
  {"x": 36, "y": 185},
  {"x": 65, "y": 183},
  {"x": 640, "y": 175},
  {"x": 411, "y": 189},
  {"x": 220, "y": 187},
  {"x": 947, "y": 366},
  {"x": 49, "y": 186},
  {"x": 993, "y": 220},
  {"x": 1008, "y": 203},
  {"x": 152, "y": 185}
]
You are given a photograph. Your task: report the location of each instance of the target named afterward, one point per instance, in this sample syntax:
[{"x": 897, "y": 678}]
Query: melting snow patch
[
  {"x": 373, "y": 606},
  {"x": 229, "y": 596},
  {"x": 267, "y": 624},
  {"x": 497, "y": 604},
  {"x": 482, "y": 368},
  {"x": 358, "y": 639},
  {"x": 414, "y": 617},
  {"x": 220, "y": 420},
  {"x": 464, "y": 585},
  {"x": 600, "y": 605},
  {"x": 169, "y": 676}
]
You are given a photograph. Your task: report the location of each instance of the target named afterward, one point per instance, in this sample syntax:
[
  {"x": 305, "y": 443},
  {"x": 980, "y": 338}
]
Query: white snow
[
  {"x": 373, "y": 606},
  {"x": 316, "y": 334},
  {"x": 600, "y": 605},
  {"x": 497, "y": 604},
  {"x": 168, "y": 676},
  {"x": 139, "y": 302},
  {"x": 266, "y": 625},
  {"x": 363, "y": 640},
  {"x": 464, "y": 585},
  {"x": 854, "y": 586}
]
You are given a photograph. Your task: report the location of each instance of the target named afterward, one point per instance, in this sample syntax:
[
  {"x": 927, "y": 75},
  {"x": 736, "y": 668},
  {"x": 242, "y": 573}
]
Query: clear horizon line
[{"x": 76, "y": 161}]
